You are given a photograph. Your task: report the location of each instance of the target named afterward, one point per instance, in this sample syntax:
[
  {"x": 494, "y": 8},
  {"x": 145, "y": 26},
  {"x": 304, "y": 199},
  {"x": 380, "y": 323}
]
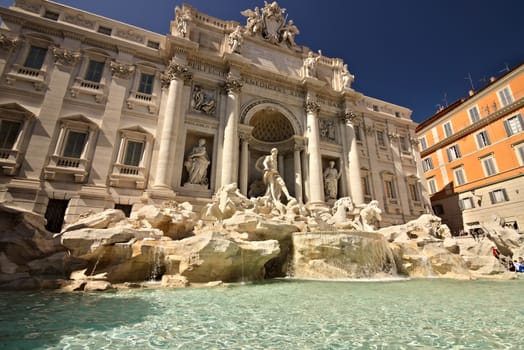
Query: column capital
[
  {"x": 312, "y": 107},
  {"x": 348, "y": 116},
  {"x": 233, "y": 84},
  {"x": 175, "y": 71}
]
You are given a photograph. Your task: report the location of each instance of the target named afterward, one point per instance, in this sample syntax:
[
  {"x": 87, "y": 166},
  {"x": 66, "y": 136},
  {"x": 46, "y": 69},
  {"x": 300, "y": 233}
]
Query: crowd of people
[{"x": 512, "y": 265}]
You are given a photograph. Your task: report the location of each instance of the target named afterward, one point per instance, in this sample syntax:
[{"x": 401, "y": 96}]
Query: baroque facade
[
  {"x": 98, "y": 114},
  {"x": 473, "y": 156}
]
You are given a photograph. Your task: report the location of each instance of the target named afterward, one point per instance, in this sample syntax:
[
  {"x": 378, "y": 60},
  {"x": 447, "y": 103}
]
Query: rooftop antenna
[
  {"x": 470, "y": 81},
  {"x": 445, "y": 99},
  {"x": 439, "y": 107},
  {"x": 506, "y": 68}
]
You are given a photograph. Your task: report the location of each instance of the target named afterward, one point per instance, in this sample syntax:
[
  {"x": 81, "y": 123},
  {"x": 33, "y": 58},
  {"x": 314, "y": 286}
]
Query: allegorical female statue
[
  {"x": 331, "y": 176},
  {"x": 197, "y": 163}
]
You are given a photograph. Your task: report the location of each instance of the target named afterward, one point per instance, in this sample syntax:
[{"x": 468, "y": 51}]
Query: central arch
[{"x": 272, "y": 126}]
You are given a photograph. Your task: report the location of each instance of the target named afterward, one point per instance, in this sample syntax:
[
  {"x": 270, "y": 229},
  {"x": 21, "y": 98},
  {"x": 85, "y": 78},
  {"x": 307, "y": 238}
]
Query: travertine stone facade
[{"x": 96, "y": 114}]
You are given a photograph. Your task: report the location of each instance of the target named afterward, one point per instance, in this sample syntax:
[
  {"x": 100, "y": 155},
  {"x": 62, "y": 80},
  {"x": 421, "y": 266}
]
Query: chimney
[
  {"x": 471, "y": 92},
  {"x": 492, "y": 79}
]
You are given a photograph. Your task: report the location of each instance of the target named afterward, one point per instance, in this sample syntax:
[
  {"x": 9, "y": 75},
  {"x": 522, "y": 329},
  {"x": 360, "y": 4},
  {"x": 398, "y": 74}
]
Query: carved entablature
[
  {"x": 327, "y": 130},
  {"x": 174, "y": 71},
  {"x": 121, "y": 70},
  {"x": 79, "y": 20},
  {"x": 233, "y": 85},
  {"x": 270, "y": 24},
  {"x": 65, "y": 56},
  {"x": 6, "y": 43}
]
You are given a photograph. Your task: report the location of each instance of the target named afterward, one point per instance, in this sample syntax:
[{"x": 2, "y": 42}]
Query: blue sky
[{"x": 413, "y": 53}]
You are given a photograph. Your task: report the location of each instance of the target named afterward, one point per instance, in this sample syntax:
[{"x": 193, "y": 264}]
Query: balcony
[
  {"x": 9, "y": 161},
  {"x": 87, "y": 87},
  {"x": 65, "y": 165},
  {"x": 20, "y": 73},
  {"x": 141, "y": 99},
  {"x": 128, "y": 176}
]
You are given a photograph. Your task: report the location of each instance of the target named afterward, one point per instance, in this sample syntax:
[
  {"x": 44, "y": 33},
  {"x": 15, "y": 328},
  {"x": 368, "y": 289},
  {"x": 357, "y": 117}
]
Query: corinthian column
[
  {"x": 230, "y": 149},
  {"x": 173, "y": 79},
  {"x": 316, "y": 186},
  {"x": 355, "y": 181}
]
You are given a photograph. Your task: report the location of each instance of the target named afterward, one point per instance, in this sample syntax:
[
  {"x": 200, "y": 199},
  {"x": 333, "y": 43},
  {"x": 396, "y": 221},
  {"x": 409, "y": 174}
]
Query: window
[
  {"x": 35, "y": 58},
  {"x": 51, "y": 15},
  {"x": 466, "y": 203},
  {"x": 482, "y": 139},
  {"x": 498, "y": 196},
  {"x": 8, "y": 134},
  {"x": 453, "y": 153},
  {"x": 489, "y": 165},
  {"x": 413, "y": 192},
  {"x": 73, "y": 150},
  {"x": 519, "y": 149},
  {"x": 432, "y": 185},
  {"x": 366, "y": 188},
  {"x": 448, "y": 130},
  {"x": 15, "y": 124},
  {"x": 514, "y": 125},
  {"x": 94, "y": 71},
  {"x": 357, "y": 132},
  {"x": 423, "y": 143},
  {"x": 505, "y": 96},
  {"x": 375, "y": 108},
  {"x": 133, "y": 153},
  {"x": 153, "y": 44},
  {"x": 132, "y": 163},
  {"x": 404, "y": 144},
  {"x": 397, "y": 114},
  {"x": 427, "y": 164},
  {"x": 460, "y": 177},
  {"x": 105, "y": 30},
  {"x": 391, "y": 192},
  {"x": 474, "y": 114},
  {"x": 146, "y": 83},
  {"x": 380, "y": 138}
]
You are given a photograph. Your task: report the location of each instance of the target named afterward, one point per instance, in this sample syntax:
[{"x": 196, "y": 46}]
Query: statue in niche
[
  {"x": 331, "y": 176},
  {"x": 202, "y": 102},
  {"x": 288, "y": 33},
  {"x": 274, "y": 182},
  {"x": 254, "y": 21},
  {"x": 310, "y": 64},
  {"x": 197, "y": 163},
  {"x": 347, "y": 78},
  {"x": 236, "y": 39},
  {"x": 183, "y": 17}
]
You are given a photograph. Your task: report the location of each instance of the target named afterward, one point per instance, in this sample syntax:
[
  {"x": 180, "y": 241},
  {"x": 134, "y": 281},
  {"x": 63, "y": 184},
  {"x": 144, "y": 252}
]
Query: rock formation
[{"x": 239, "y": 239}]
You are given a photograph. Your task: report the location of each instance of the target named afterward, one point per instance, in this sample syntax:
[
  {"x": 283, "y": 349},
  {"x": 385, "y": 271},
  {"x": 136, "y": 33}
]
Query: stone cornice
[{"x": 474, "y": 127}]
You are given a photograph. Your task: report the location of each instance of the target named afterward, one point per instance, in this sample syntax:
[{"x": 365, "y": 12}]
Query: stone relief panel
[
  {"x": 203, "y": 100},
  {"x": 328, "y": 130}
]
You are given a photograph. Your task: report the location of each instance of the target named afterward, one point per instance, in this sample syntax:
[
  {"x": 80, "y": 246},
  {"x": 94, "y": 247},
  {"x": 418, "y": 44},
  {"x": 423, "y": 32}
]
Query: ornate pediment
[{"x": 270, "y": 24}]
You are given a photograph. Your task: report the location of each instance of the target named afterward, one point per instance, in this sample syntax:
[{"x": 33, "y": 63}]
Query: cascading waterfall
[
  {"x": 156, "y": 263},
  {"x": 342, "y": 255}
]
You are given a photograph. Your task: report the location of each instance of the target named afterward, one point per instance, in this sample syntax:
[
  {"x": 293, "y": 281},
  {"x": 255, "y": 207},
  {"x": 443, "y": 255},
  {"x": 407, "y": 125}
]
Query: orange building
[{"x": 473, "y": 156}]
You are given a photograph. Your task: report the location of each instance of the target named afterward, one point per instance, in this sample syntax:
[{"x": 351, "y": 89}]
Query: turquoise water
[{"x": 285, "y": 314}]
